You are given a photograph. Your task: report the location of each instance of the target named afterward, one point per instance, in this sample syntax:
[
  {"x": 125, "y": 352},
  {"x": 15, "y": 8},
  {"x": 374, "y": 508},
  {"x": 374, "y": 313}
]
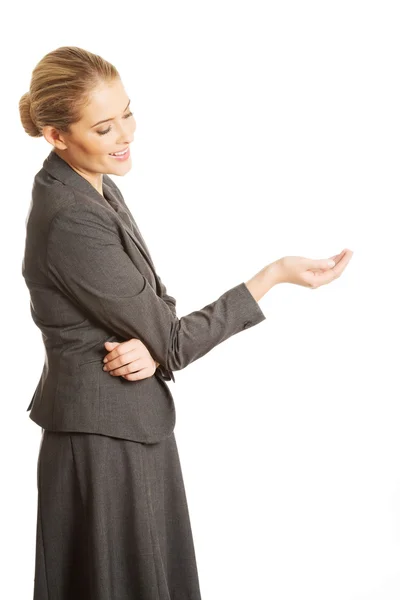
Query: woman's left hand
[{"x": 129, "y": 359}]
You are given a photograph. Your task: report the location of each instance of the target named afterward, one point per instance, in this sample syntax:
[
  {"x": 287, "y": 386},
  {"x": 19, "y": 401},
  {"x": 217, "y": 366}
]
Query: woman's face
[{"x": 89, "y": 145}]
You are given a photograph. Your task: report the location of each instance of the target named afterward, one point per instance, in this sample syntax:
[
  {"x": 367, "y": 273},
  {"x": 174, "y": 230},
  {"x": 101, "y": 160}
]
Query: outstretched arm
[{"x": 87, "y": 261}]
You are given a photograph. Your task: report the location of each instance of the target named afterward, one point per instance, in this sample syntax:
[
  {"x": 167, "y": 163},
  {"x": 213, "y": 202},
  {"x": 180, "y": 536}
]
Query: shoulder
[
  {"x": 82, "y": 216},
  {"x": 49, "y": 195}
]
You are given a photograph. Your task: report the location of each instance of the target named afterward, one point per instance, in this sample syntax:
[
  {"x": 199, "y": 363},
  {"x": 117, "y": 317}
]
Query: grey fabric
[
  {"x": 112, "y": 521},
  {"x": 91, "y": 279}
]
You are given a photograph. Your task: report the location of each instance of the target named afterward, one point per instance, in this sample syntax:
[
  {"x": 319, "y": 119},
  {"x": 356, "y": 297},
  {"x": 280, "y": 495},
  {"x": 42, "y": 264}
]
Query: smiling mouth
[{"x": 120, "y": 153}]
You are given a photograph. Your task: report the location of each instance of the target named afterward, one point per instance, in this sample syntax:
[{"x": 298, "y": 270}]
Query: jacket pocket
[{"x": 92, "y": 360}]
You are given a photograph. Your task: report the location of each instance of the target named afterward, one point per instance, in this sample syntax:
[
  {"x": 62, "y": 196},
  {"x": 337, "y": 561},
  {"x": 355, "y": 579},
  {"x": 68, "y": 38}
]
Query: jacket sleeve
[
  {"x": 171, "y": 302},
  {"x": 86, "y": 261},
  {"x": 166, "y": 297}
]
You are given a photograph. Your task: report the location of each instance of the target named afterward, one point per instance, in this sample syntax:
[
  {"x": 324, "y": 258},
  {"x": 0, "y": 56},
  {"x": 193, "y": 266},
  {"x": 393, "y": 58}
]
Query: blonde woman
[{"x": 112, "y": 521}]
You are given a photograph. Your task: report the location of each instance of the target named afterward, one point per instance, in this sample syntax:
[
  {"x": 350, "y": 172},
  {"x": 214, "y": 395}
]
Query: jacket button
[{"x": 246, "y": 324}]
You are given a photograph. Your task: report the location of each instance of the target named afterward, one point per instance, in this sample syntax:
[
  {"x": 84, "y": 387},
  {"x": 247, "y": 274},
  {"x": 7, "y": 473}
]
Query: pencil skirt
[{"x": 112, "y": 521}]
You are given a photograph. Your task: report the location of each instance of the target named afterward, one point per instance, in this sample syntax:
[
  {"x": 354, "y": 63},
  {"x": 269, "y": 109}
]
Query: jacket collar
[{"x": 61, "y": 170}]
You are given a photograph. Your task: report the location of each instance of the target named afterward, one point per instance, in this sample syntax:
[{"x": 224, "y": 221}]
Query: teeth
[{"x": 119, "y": 153}]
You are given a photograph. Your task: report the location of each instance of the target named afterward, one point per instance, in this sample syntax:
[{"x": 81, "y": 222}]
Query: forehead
[{"x": 106, "y": 101}]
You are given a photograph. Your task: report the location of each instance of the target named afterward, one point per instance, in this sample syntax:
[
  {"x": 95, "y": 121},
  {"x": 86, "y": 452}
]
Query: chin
[{"x": 122, "y": 170}]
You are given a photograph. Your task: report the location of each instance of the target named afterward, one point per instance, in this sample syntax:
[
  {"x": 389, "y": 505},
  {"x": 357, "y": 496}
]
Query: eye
[{"x": 130, "y": 114}]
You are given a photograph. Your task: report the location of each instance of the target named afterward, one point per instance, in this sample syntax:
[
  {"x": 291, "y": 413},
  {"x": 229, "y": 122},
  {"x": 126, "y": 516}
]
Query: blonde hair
[{"x": 60, "y": 87}]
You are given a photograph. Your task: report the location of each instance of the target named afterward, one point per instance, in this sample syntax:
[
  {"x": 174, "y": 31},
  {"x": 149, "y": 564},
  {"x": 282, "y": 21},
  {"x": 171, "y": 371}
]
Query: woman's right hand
[{"x": 310, "y": 272}]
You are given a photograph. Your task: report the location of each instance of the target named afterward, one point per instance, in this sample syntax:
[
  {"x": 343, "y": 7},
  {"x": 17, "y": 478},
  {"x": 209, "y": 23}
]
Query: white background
[{"x": 264, "y": 129}]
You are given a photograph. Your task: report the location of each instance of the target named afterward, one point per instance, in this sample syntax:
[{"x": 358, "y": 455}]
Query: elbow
[{"x": 176, "y": 357}]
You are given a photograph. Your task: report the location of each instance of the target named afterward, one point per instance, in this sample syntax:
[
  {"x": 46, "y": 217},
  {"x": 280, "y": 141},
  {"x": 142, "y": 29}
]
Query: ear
[{"x": 53, "y": 136}]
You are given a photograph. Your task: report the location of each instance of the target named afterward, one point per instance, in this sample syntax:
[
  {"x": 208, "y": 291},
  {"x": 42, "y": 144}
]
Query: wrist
[{"x": 271, "y": 274}]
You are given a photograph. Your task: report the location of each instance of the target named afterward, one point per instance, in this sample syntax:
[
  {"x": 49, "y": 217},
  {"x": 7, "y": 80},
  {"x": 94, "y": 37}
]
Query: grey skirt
[{"x": 112, "y": 521}]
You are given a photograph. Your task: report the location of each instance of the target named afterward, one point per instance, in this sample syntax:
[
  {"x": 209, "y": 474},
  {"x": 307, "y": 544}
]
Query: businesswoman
[{"x": 112, "y": 517}]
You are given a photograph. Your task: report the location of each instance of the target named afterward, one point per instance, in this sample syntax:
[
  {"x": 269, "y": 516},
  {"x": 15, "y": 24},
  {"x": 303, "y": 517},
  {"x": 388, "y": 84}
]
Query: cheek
[{"x": 98, "y": 144}]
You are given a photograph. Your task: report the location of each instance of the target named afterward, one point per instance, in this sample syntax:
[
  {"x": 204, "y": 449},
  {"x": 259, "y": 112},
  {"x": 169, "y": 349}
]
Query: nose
[
  {"x": 127, "y": 131},
  {"x": 125, "y": 139}
]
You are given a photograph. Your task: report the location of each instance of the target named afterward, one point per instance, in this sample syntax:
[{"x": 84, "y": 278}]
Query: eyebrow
[{"x": 105, "y": 120}]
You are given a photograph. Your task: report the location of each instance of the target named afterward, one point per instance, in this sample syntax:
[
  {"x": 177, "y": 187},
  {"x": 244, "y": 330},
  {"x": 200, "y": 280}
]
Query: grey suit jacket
[{"x": 91, "y": 279}]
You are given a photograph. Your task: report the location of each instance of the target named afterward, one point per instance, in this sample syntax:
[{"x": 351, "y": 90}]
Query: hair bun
[{"x": 25, "y": 111}]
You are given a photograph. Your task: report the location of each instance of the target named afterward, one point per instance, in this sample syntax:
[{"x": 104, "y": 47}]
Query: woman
[{"x": 112, "y": 518}]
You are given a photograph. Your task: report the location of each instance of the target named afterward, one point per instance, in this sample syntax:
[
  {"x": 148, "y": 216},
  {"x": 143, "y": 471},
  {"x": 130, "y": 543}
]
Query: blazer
[{"x": 91, "y": 279}]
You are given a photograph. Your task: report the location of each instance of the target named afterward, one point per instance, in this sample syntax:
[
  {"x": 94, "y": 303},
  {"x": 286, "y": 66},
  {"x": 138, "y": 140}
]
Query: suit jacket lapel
[
  {"x": 61, "y": 170},
  {"x": 127, "y": 221}
]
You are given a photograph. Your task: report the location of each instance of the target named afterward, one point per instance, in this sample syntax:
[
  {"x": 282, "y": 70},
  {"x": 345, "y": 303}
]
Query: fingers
[
  {"x": 126, "y": 368},
  {"x": 321, "y": 277},
  {"x": 332, "y": 262},
  {"x": 117, "y": 357},
  {"x": 121, "y": 348},
  {"x": 338, "y": 257},
  {"x": 110, "y": 346},
  {"x": 114, "y": 368},
  {"x": 134, "y": 370},
  {"x": 344, "y": 260},
  {"x": 324, "y": 263},
  {"x": 315, "y": 280},
  {"x": 129, "y": 359},
  {"x": 119, "y": 361},
  {"x": 142, "y": 374}
]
